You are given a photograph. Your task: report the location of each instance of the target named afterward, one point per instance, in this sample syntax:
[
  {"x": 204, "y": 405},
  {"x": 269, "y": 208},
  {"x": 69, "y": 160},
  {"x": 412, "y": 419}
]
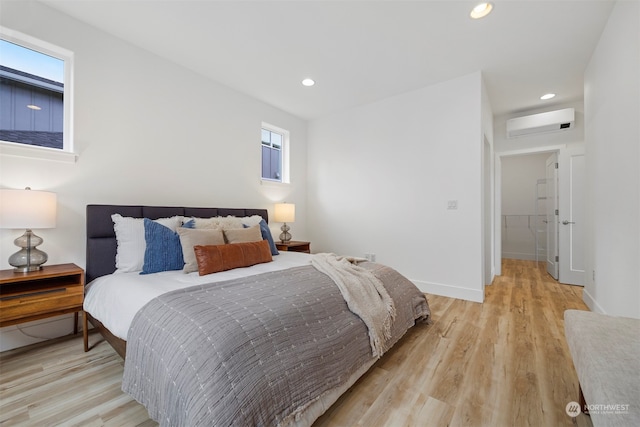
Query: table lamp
[
  {"x": 285, "y": 212},
  {"x": 27, "y": 209}
]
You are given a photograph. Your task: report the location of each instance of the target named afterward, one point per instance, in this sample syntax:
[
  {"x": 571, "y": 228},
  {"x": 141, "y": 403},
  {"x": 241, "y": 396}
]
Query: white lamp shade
[
  {"x": 27, "y": 209},
  {"x": 285, "y": 212}
]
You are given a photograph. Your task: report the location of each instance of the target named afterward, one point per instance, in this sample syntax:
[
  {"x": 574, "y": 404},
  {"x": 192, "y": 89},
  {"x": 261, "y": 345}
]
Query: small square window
[{"x": 35, "y": 93}]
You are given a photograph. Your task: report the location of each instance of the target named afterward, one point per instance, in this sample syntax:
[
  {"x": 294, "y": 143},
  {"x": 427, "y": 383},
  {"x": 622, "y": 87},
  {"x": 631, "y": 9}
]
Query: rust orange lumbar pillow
[{"x": 216, "y": 258}]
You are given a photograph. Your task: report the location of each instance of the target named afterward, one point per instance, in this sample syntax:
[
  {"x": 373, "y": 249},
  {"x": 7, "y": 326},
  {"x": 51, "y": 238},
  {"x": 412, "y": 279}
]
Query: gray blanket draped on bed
[{"x": 253, "y": 351}]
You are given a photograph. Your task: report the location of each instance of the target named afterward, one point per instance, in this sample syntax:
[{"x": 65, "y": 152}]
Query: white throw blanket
[{"x": 364, "y": 293}]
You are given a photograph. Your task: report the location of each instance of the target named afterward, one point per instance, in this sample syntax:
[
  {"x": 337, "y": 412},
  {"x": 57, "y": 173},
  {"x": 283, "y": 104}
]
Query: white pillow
[
  {"x": 131, "y": 242},
  {"x": 251, "y": 220},
  {"x": 218, "y": 222}
]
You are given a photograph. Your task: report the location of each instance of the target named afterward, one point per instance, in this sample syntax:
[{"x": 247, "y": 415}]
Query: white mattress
[{"x": 115, "y": 299}]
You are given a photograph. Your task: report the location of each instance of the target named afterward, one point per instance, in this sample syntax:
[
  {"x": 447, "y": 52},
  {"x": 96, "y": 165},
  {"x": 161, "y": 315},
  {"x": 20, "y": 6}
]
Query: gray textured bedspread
[{"x": 255, "y": 351}]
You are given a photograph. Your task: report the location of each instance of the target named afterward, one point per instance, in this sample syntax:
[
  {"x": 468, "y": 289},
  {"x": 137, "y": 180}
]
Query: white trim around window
[{"x": 286, "y": 179}]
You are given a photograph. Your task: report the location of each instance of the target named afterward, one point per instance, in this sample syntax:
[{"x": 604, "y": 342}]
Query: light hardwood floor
[{"x": 501, "y": 363}]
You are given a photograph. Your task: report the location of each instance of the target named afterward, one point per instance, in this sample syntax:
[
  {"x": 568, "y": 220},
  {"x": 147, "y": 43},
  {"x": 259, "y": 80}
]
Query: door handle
[{"x": 565, "y": 222}]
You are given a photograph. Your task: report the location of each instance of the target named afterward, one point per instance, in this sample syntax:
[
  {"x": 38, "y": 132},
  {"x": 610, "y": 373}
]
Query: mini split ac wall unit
[{"x": 552, "y": 121}]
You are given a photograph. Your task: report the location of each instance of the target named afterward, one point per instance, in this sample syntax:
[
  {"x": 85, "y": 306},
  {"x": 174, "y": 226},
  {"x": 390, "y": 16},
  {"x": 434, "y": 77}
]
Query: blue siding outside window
[
  {"x": 32, "y": 92},
  {"x": 271, "y": 155}
]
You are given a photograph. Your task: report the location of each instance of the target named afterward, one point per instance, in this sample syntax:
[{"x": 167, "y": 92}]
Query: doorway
[
  {"x": 519, "y": 225},
  {"x": 526, "y": 197}
]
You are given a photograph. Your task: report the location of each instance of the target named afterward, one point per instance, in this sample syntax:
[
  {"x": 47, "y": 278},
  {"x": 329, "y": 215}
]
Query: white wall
[
  {"x": 147, "y": 131},
  {"x": 382, "y": 175},
  {"x": 519, "y": 198},
  {"x": 612, "y": 112}
]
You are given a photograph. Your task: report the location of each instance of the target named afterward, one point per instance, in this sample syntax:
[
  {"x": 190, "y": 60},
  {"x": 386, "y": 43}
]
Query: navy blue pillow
[
  {"x": 266, "y": 235},
  {"x": 164, "y": 251}
]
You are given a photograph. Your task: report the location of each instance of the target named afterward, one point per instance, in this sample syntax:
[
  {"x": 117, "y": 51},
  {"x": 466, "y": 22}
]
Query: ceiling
[{"x": 361, "y": 51}]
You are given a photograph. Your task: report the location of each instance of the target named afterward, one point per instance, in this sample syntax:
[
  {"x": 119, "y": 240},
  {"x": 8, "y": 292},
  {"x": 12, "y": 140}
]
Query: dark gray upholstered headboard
[{"x": 101, "y": 239}]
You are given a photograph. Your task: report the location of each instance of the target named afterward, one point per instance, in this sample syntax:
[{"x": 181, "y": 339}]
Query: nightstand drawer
[
  {"x": 52, "y": 291},
  {"x": 294, "y": 246},
  {"x": 33, "y": 303}
]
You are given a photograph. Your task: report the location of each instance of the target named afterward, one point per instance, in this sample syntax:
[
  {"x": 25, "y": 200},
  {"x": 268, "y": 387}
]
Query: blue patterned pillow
[{"x": 163, "y": 251}]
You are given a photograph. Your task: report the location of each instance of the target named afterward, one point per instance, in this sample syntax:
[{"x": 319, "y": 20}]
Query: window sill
[
  {"x": 270, "y": 183},
  {"x": 19, "y": 150}
]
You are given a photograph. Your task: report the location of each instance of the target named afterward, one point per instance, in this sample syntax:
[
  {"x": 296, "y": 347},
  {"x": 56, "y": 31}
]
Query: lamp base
[
  {"x": 28, "y": 258},
  {"x": 285, "y": 236},
  {"x": 27, "y": 269}
]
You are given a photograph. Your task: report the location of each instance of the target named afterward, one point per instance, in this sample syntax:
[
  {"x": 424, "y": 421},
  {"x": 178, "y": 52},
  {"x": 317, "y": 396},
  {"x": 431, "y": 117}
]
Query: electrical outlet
[
  {"x": 370, "y": 257},
  {"x": 452, "y": 204}
]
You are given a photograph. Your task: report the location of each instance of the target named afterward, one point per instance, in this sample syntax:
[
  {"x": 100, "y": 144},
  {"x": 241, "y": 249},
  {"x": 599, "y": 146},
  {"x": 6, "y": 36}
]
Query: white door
[
  {"x": 552, "y": 215},
  {"x": 572, "y": 215}
]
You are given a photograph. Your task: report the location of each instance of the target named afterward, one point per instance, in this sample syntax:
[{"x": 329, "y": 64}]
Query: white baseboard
[
  {"x": 450, "y": 291},
  {"x": 493, "y": 276},
  {"x": 40, "y": 330},
  {"x": 591, "y": 302}
]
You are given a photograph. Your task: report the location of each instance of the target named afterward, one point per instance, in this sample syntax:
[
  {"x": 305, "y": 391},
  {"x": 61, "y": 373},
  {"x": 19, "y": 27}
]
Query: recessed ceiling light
[
  {"x": 548, "y": 96},
  {"x": 481, "y": 10},
  {"x": 308, "y": 82},
  {"x": 34, "y": 107}
]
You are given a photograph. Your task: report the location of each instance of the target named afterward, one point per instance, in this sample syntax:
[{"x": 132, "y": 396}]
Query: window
[
  {"x": 35, "y": 93},
  {"x": 275, "y": 159}
]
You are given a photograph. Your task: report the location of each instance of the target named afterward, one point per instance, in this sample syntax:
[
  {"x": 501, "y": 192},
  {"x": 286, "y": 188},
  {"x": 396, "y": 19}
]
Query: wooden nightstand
[
  {"x": 51, "y": 291},
  {"x": 294, "y": 246}
]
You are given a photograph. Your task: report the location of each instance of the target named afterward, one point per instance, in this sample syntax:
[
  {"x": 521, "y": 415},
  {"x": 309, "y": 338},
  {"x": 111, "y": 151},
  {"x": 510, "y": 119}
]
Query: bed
[{"x": 273, "y": 343}]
